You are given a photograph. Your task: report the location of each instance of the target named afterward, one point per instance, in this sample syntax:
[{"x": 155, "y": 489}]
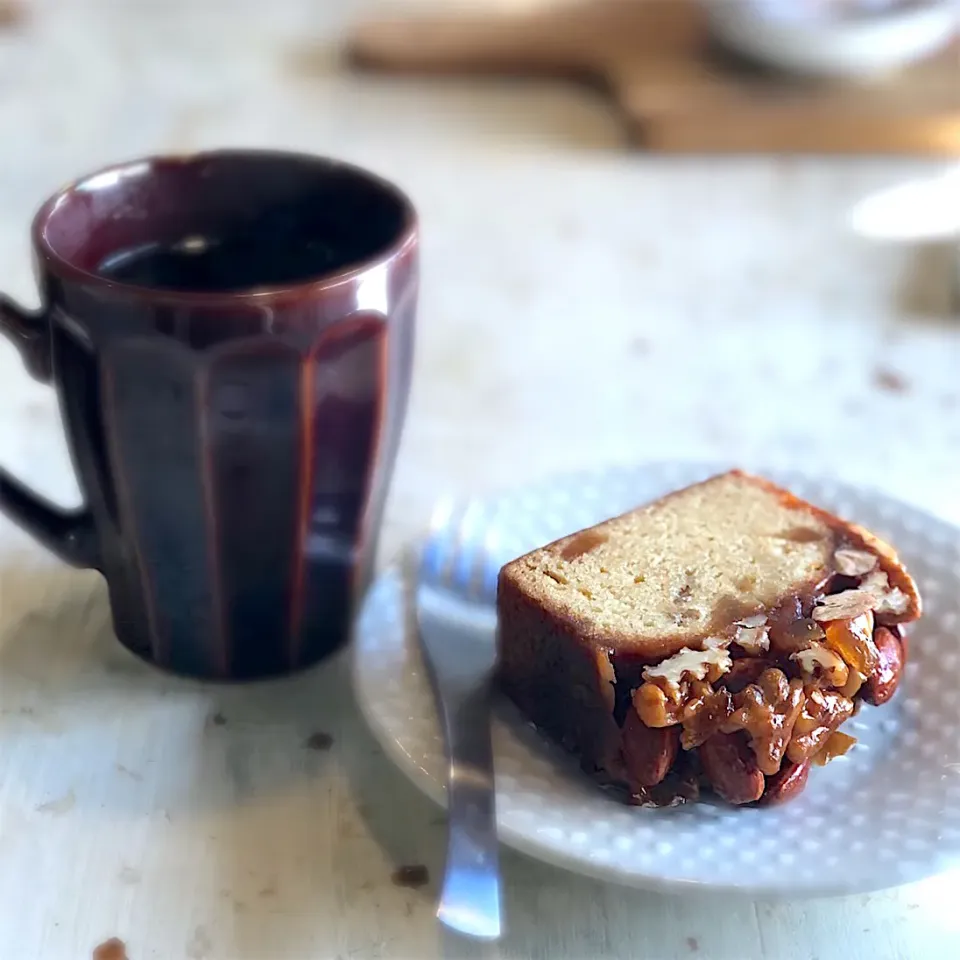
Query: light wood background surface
[{"x": 655, "y": 61}]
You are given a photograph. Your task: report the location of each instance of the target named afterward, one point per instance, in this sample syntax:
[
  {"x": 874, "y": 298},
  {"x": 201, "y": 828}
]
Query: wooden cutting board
[{"x": 676, "y": 91}]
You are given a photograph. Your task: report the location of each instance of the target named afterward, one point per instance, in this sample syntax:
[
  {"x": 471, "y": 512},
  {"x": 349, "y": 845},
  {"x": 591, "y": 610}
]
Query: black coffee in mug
[{"x": 286, "y": 243}]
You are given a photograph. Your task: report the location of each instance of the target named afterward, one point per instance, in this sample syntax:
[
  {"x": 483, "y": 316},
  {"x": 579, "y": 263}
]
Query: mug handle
[{"x": 69, "y": 534}]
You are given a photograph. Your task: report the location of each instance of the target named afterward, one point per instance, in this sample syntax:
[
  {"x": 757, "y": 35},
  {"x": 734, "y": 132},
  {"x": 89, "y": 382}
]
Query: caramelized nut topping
[
  {"x": 854, "y": 563},
  {"x": 851, "y": 688},
  {"x": 785, "y": 725},
  {"x": 819, "y": 662},
  {"x": 745, "y": 671},
  {"x": 844, "y": 606},
  {"x": 704, "y": 714},
  {"x": 896, "y": 602},
  {"x": 731, "y": 768},
  {"x": 797, "y": 635},
  {"x": 753, "y": 635},
  {"x": 823, "y": 712},
  {"x": 891, "y": 601},
  {"x": 853, "y": 640},
  {"x": 767, "y": 711},
  {"x": 838, "y": 743},
  {"x": 653, "y": 706},
  {"x": 707, "y": 664}
]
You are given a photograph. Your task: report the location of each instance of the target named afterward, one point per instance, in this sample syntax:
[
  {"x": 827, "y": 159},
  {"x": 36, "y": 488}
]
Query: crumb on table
[
  {"x": 411, "y": 875},
  {"x": 319, "y": 741},
  {"x": 112, "y": 949}
]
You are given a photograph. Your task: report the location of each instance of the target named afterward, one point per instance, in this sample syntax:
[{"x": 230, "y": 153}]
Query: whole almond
[
  {"x": 731, "y": 768},
  {"x": 786, "y": 784},
  {"x": 883, "y": 683},
  {"x": 648, "y": 753}
]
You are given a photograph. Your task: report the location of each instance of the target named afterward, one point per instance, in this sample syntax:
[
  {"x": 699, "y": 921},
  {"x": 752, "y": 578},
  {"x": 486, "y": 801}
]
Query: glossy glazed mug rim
[{"x": 301, "y": 289}]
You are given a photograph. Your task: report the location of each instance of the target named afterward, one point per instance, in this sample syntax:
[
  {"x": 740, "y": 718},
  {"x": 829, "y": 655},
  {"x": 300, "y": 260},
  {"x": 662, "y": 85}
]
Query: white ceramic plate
[{"x": 886, "y": 814}]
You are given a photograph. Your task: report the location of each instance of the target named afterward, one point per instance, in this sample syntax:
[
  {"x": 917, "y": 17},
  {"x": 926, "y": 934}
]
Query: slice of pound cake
[{"x": 719, "y": 637}]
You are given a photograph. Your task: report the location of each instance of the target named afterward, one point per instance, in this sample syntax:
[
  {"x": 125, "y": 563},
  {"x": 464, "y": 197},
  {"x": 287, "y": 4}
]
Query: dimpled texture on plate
[{"x": 885, "y": 814}]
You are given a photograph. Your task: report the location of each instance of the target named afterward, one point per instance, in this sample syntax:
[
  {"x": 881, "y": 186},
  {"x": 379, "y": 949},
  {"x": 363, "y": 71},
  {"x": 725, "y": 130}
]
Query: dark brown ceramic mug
[{"x": 231, "y": 338}]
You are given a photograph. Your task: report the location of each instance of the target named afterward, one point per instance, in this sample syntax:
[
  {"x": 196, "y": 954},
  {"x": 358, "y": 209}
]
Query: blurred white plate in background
[{"x": 827, "y": 38}]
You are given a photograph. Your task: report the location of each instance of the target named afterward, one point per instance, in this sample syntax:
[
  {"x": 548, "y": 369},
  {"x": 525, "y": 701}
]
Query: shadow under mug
[{"x": 234, "y": 446}]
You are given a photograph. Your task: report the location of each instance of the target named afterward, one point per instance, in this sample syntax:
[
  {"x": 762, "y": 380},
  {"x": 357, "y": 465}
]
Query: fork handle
[{"x": 470, "y": 897}]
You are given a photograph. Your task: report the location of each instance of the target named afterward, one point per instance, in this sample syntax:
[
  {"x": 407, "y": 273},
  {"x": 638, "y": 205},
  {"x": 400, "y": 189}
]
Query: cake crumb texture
[{"x": 680, "y": 569}]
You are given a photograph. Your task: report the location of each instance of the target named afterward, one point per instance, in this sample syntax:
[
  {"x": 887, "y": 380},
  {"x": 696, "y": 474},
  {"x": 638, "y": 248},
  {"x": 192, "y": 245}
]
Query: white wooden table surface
[{"x": 581, "y": 305}]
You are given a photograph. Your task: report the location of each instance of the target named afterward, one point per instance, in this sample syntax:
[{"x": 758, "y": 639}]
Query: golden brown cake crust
[{"x": 540, "y": 655}]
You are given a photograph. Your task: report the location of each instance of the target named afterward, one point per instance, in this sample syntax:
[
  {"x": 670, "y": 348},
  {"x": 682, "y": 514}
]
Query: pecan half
[
  {"x": 818, "y": 662},
  {"x": 710, "y": 663},
  {"x": 655, "y": 708},
  {"x": 823, "y": 712},
  {"x": 838, "y": 743},
  {"x": 703, "y": 714},
  {"x": 767, "y": 711}
]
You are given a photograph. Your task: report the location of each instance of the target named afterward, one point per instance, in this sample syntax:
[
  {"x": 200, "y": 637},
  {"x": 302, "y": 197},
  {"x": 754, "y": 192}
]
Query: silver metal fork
[{"x": 456, "y": 619}]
